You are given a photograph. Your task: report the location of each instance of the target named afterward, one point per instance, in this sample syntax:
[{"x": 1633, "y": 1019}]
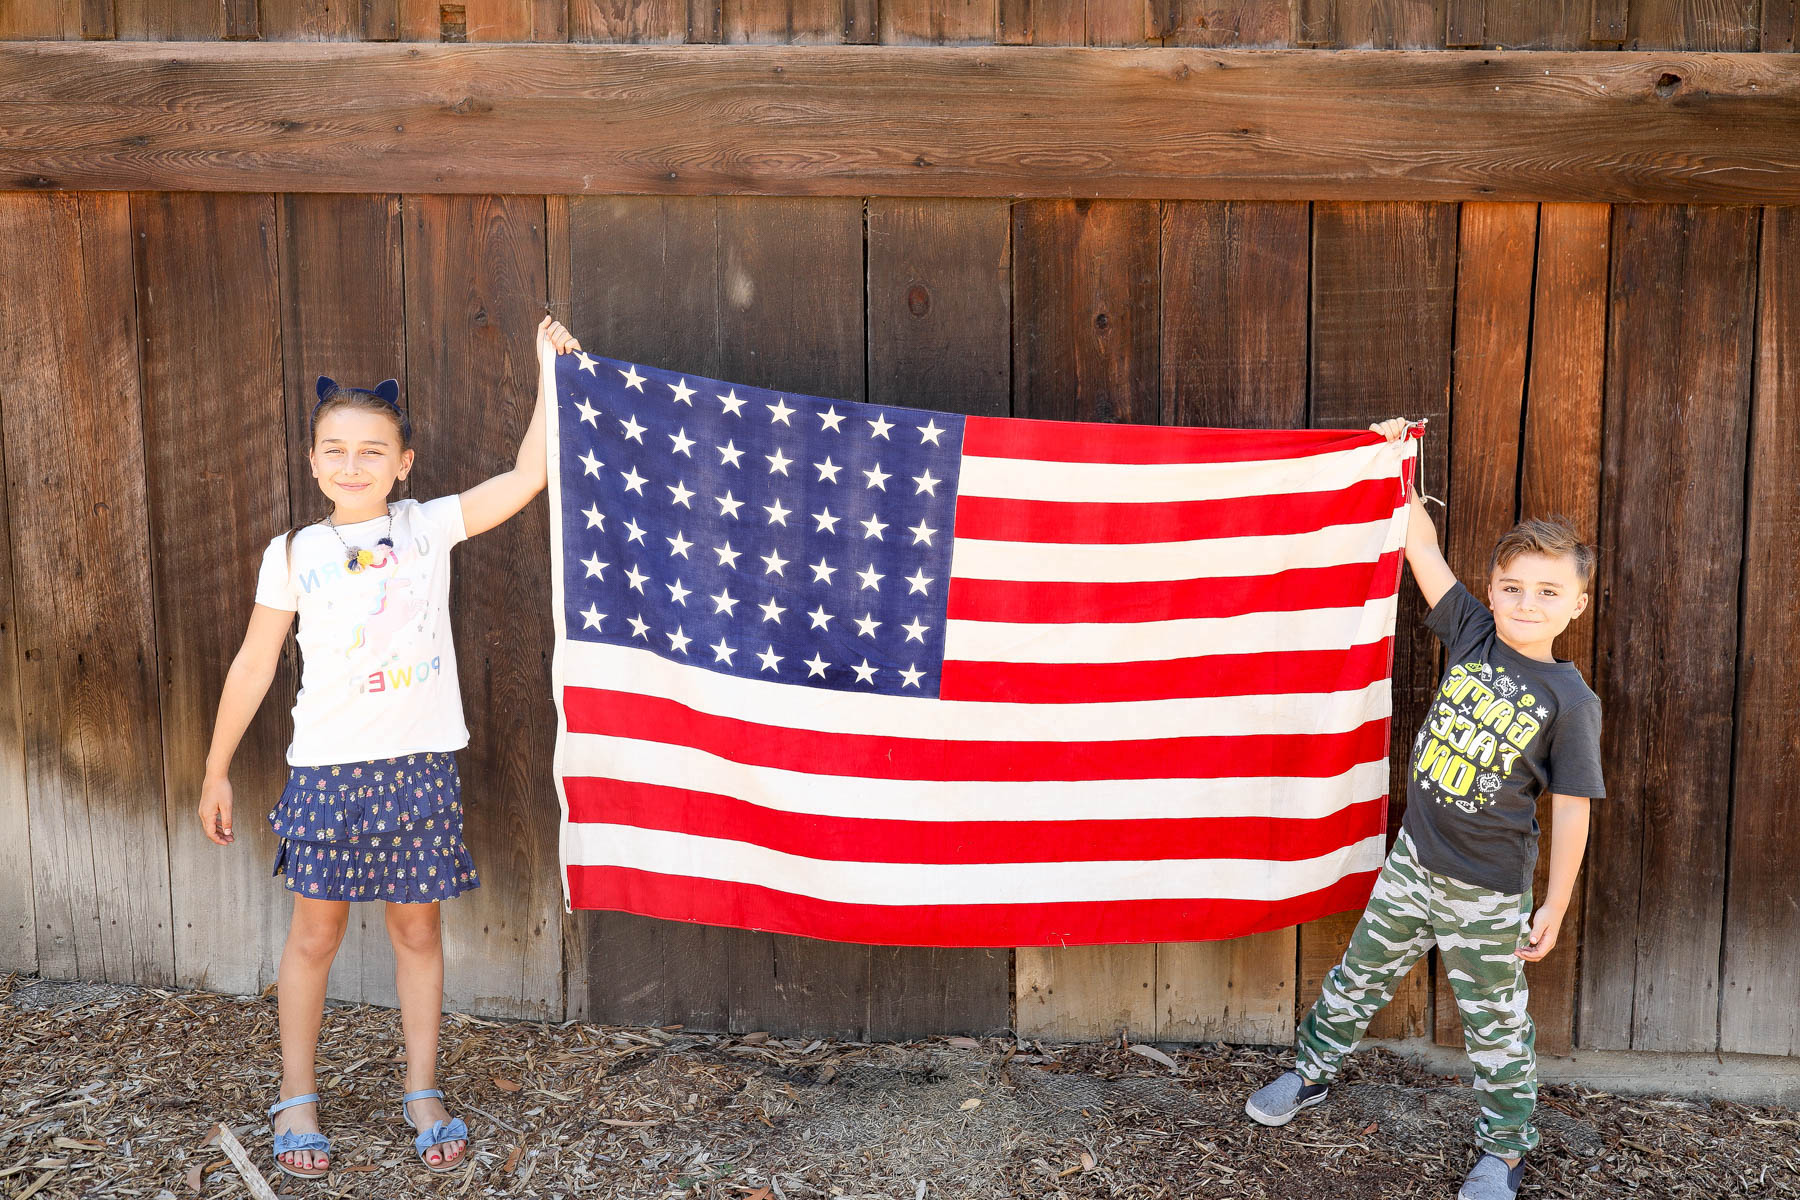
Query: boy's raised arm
[{"x": 1430, "y": 571}]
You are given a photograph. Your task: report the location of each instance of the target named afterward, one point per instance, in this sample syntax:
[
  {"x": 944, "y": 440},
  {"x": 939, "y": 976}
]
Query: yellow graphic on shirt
[{"x": 1479, "y": 726}]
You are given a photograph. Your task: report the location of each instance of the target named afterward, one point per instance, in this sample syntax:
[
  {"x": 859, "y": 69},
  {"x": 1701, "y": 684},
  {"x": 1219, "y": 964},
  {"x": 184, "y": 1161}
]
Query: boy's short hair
[{"x": 1552, "y": 537}]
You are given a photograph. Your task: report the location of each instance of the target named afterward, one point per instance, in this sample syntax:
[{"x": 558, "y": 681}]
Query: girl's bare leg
[
  {"x": 419, "y": 978},
  {"x": 314, "y": 933}
]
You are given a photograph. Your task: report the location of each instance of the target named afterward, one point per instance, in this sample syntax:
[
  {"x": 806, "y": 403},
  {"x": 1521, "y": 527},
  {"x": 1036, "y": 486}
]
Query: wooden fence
[{"x": 1631, "y": 365}]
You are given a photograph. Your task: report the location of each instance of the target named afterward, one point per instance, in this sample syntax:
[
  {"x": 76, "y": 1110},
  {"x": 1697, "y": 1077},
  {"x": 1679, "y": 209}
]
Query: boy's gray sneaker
[
  {"x": 1492, "y": 1179},
  {"x": 1277, "y": 1102}
]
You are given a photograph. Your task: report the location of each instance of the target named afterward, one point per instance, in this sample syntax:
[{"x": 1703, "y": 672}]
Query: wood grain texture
[
  {"x": 639, "y": 22},
  {"x": 1085, "y": 993},
  {"x": 1559, "y": 474},
  {"x": 1692, "y": 25},
  {"x": 1085, "y": 311},
  {"x": 342, "y": 315},
  {"x": 169, "y": 20},
  {"x": 1762, "y": 916},
  {"x": 1234, "y": 314},
  {"x": 940, "y": 304},
  {"x": 1227, "y": 23},
  {"x": 1086, "y": 324},
  {"x": 787, "y": 22},
  {"x": 1381, "y": 24},
  {"x": 1233, "y": 353},
  {"x": 50, "y": 20},
  {"x": 475, "y": 291},
  {"x": 18, "y": 917},
  {"x": 207, "y": 278},
  {"x": 1677, "y": 413},
  {"x": 855, "y": 121},
  {"x": 938, "y": 22},
  {"x": 72, "y": 428},
  {"x": 1780, "y": 21},
  {"x": 1383, "y": 296},
  {"x": 1495, "y": 258},
  {"x": 939, "y": 336}
]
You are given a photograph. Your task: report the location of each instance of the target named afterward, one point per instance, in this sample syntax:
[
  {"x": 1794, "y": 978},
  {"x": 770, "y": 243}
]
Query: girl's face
[{"x": 356, "y": 457}]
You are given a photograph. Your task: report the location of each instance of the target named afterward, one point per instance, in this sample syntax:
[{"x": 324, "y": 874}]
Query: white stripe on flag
[
  {"x": 767, "y": 702},
  {"x": 877, "y": 883},
  {"x": 1147, "y": 641},
  {"x": 1035, "y": 479},
  {"x": 598, "y": 756},
  {"x": 1140, "y": 562}
]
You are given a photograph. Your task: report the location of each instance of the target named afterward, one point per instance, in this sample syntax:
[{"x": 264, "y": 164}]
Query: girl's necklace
[{"x": 357, "y": 559}]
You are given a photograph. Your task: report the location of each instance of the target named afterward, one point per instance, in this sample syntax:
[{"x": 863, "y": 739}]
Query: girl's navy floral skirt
[{"x": 389, "y": 829}]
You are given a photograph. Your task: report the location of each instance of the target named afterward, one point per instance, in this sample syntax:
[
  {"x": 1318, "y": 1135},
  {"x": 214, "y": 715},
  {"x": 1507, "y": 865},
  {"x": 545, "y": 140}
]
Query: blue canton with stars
[{"x": 756, "y": 533}]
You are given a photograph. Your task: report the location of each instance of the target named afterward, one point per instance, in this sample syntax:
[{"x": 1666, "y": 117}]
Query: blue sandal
[
  {"x": 287, "y": 1143},
  {"x": 452, "y": 1130}
]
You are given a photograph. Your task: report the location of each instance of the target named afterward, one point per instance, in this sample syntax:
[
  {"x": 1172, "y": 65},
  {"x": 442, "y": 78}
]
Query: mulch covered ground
[{"x": 114, "y": 1091}]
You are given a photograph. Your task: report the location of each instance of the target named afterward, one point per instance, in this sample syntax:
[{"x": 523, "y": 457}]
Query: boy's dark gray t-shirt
[{"x": 1503, "y": 728}]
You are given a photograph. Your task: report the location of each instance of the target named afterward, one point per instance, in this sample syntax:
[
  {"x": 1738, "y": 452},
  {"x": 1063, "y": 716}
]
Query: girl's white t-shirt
[{"x": 378, "y": 664}]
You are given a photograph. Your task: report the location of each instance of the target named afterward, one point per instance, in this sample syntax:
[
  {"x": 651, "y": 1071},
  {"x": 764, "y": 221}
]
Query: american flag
[{"x": 887, "y": 675}]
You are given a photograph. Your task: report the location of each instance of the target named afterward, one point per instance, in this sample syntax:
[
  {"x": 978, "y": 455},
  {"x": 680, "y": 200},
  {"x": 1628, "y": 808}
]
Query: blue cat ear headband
[{"x": 388, "y": 391}]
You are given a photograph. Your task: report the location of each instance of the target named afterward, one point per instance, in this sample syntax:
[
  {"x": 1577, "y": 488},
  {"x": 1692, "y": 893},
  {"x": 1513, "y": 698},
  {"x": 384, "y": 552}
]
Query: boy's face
[{"x": 1534, "y": 597}]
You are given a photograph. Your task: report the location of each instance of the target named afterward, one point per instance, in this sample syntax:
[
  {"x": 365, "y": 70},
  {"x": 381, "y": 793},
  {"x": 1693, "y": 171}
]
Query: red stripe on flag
[
  {"x": 1171, "y": 599},
  {"x": 1273, "y": 672},
  {"x": 1081, "y": 441},
  {"x": 875, "y": 756},
  {"x": 854, "y": 839},
  {"x": 1002, "y": 519},
  {"x": 748, "y": 906}
]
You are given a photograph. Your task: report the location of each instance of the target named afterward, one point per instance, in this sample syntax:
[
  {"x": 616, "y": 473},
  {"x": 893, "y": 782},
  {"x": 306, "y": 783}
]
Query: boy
[{"x": 1510, "y": 720}]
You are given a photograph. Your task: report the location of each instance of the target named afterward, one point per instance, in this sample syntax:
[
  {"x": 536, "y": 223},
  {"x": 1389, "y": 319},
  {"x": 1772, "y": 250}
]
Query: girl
[{"x": 372, "y": 809}]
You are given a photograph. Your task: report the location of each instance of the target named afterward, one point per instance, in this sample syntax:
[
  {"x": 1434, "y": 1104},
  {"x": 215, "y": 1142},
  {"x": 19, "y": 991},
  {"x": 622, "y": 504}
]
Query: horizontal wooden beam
[{"x": 862, "y": 120}]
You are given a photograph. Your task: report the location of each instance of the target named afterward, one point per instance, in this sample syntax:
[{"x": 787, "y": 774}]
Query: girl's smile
[{"x": 357, "y": 459}]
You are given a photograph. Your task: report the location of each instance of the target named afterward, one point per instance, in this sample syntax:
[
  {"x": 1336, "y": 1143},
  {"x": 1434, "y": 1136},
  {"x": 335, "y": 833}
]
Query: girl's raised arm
[
  {"x": 246, "y": 683},
  {"x": 488, "y": 503}
]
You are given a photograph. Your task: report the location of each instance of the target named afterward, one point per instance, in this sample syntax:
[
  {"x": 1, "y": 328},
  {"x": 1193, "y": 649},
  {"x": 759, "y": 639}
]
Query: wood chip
[
  {"x": 1154, "y": 1055},
  {"x": 253, "y": 1178}
]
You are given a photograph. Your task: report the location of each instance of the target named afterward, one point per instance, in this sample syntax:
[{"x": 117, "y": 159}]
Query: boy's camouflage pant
[{"x": 1476, "y": 932}]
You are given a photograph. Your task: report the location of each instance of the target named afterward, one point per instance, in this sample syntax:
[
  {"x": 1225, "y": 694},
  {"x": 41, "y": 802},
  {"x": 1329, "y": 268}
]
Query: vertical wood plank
[
  {"x": 939, "y": 336},
  {"x": 645, "y": 285},
  {"x": 206, "y": 268},
  {"x": 475, "y": 291},
  {"x": 170, "y": 20},
  {"x": 342, "y": 315},
  {"x": 1607, "y": 25},
  {"x": 1234, "y": 317},
  {"x": 1677, "y": 409},
  {"x": 73, "y": 437},
  {"x": 798, "y": 22},
  {"x": 1239, "y": 991},
  {"x": 30, "y": 20},
  {"x": 1762, "y": 922},
  {"x": 1387, "y": 24},
  {"x": 1465, "y": 22},
  {"x": 1538, "y": 24},
  {"x": 1086, "y": 993},
  {"x": 634, "y": 21},
  {"x": 1383, "y": 301},
  {"x": 18, "y": 917},
  {"x": 1560, "y": 474},
  {"x": 1085, "y": 324},
  {"x": 326, "y": 21},
  {"x": 1493, "y": 331},
  {"x": 767, "y": 292},
  {"x": 1780, "y": 20},
  {"x": 1693, "y": 25},
  {"x": 484, "y": 20},
  {"x": 939, "y": 22},
  {"x": 1229, "y": 23},
  {"x": 1234, "y": 331},
  {"x": 940, "y": 312},
  {"x": 1086, "y": 328}
]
